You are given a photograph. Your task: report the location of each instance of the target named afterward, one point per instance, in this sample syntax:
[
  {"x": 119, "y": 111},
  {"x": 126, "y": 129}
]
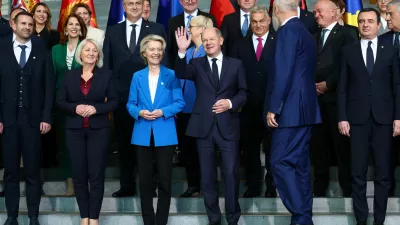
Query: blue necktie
[
  {"x": 22, "y": 59},
  {"x": 370, "y": 58},
  {"x": 245, "y": 26},
  {"x": 396, "y": 39},
  {"x": 188, "y": 23}
]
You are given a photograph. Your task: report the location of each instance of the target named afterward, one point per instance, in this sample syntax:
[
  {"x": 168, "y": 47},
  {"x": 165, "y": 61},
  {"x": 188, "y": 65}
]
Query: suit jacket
[
  {"x": 328, "y": 62},
  {"x": 361, "y": 94},
  {"x": 50, "y": 37},
  {"x": 308, "y": 20},
  {"x": 5, "y": 28},
  {"x": 96, "y": 34},
  {"x": 291, "y": 93},
  {"x": 59, "y": 54},
  {"x": 257, "y": 72},
  {"x": 387, "y": 38},
  {"x": 232, "y": 86},
  {"x": 168, "y": 98},
  {"x": 70, "y": 96},
  {"x": 354, "y": 30},
  {"x": 38, "y": 80},
  {"x": 173, "y": 24},
  {"x": 119, "y": 59},
  {"x": 232, "y": 32}
]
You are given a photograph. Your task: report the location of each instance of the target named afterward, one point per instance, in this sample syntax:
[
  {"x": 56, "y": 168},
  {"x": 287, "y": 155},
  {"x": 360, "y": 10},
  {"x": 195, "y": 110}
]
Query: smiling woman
[{"x": 42, "y": 25}]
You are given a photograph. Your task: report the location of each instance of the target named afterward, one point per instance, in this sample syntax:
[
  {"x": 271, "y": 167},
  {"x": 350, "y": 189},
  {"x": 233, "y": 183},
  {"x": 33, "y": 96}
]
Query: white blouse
[
  {"x": 70, "y": 57},
  {"x": 153, "y": 81}
]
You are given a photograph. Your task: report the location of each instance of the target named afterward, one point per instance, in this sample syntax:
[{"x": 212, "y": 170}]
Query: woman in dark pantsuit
[
  {"x": 87, "y": 96},
  {"x": 155, "y": 98}
]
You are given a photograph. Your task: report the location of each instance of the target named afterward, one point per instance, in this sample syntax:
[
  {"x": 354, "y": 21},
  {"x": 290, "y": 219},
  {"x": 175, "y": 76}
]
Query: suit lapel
[
  {"x": 224, "y": 69},
  {"x": 251, "y": 49},
  {"x": 144, "y": 31},
  {"x": 144, "y": 85},
  {"x": 95, "y": 79},
  {"x": 162, "y": 83},
  {"x": 380, "y": 54},
  {"x": 332, "y": 34},
  {"x": 207, "y": 70},
  {"x": 359, "y": 58},
  {"x": 122, "y": 35},
  {"x": 10, "y": 49},
  {"x": 269, "y": 42}
]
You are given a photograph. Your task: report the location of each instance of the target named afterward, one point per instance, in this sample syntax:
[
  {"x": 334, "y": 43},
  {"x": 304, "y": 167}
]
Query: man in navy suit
[
  {"x": 221, "y": 91},
  {"x": 292, "y": 106},
  {"x": 122, "y": 55},
  {"x": 369, "y": 112}
]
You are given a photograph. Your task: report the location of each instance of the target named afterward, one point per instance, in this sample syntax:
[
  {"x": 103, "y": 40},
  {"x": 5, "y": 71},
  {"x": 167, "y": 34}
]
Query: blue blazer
[
  {"x": 188, "y": 86},
  {"x": 168, "y": 98},
  {"x": 291, "y": 94}
]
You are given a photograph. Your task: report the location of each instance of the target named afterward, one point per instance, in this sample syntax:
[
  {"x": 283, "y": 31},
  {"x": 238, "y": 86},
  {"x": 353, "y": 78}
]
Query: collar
[
  {"x": 264, "y": 37},
  {"x": 284, "y": 22},
  {"x": 242, "y": 13},
  {"x": 193, "y": 14},
  {"x": 138, "y": 23},
  {"x": 219, "y": 57},
  {"x": 330, "y": 27},
  {"x": 364, "y": 42},
  {"x": 28, "y": 44},
  {"x": 298, "y": 12}
]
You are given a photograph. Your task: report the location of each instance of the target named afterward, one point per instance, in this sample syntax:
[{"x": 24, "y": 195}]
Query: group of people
[{"x": 289, "y": 82}]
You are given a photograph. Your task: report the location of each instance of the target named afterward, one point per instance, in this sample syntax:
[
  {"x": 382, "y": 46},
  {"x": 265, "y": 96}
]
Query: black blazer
[
  {"x": 387, "y": 38},
  {"x": 39, "y": 81},
  {"x": 328, "y": 63},
  {"x": 119, "y": 59},
  {"x": 354, "y": 29},
  {"x": 309, "y": 21},
  {"x": 257, "y": 72},
  {"x": 232, "y": 86},
  {"x": 232, "y": 32},
  {"x": 173, "y": 24},
  {"x": 70, "y": 96},
  {"x": 361, "y": 94},
  {"x": 50, "y": 37},
  {"x": 5, "y": 28}
]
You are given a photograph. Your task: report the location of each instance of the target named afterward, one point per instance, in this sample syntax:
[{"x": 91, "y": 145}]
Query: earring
[
  {"x": 66, "y": 33},
  {"x": 80, "y": 33}
]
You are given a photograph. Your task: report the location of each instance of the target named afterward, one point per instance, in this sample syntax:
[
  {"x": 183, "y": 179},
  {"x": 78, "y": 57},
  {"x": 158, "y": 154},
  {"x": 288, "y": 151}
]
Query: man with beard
[{"x": 292, "y": 106}]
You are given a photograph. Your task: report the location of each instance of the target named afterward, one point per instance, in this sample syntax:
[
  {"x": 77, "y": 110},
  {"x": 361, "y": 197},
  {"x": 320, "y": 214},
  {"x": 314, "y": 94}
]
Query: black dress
[{"x": 51, "y": 37}]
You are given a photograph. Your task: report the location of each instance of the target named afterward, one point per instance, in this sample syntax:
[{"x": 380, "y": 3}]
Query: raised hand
[{"x": 182, "y": 41}]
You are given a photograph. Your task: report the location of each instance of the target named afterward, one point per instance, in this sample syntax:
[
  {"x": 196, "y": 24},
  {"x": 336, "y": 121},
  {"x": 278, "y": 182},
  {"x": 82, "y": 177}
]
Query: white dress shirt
[
  {"x": 364, "y": 46},
  {"x": 298, "y": 12},
  {"x": 242, "y": 18},
  {"x": 255, "y": 41},
  {"x": 187, "y": 14},
  {"x": 129, "y": 30},
  {"x": 70, "y": 57},
  {"x": 153, "y": 81},
  {"x": 18, "y": 50},
  {"x": 329, "y": 29}
]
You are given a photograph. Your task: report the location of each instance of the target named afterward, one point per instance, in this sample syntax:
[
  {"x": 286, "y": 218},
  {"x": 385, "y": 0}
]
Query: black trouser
[
  {"x": 123, "y": 129},
  {"x": 49, "y": 148},
  {"x": 253, "y": 133},
  {"x": 163, "y": 157},
  {"x": 323, "y": 136},
  {"x": 87, "y": 148},
  {"x": 19, "y": 138},
  {"x": 380, "y": 138},
  {"x": 395, "y": 161},
  {"x": 189, "y": 155}
]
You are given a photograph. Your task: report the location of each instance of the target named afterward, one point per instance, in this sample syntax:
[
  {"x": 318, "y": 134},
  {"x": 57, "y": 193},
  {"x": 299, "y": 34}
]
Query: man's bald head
[{"x": 325, "y": 12}]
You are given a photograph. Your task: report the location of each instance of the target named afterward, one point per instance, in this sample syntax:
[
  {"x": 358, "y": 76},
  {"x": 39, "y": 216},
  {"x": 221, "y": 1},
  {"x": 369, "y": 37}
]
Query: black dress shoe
[
  {"x": 271, "y": 193},
  {"x": 378, "y": 223},
  {"x": 34, "y": 221},
  {"x": 122, "y": 193},
  {"x": 250, "y": 194},
  {"x": 191, "y": 192},
  {"x": 11, "y": 221}
]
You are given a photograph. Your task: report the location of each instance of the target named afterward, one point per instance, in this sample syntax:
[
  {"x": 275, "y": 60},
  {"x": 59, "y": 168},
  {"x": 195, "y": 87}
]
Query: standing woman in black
[{"x": 87, "y": 96}]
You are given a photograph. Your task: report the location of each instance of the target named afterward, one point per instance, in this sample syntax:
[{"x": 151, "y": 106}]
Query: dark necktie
[
  {"x": 215, "y": 71},
  {"x": 132, "y": 43},
  {"x": 22, "y": 59},
  {"x": 370, "y": 58},
  {"x": 396, "y": 39},
  {"x": 321, "y": 40}
]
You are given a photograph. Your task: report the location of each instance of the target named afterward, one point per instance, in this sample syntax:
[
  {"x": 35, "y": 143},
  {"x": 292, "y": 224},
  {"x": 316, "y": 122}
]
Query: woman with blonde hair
[
  {"x": 187, "y": 145},
  {"x": 155, "y": 98}
]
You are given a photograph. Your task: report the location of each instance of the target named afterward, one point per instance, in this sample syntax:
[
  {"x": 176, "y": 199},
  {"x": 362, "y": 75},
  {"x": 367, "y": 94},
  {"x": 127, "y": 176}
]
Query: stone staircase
[{"x": 56, "y": 209}]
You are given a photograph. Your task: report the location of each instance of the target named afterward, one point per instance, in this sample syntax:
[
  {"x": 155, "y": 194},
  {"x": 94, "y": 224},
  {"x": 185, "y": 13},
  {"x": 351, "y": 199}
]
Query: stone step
[
  {"x": 178, "y": 173},
  {"x": 51, "y": 218},
  {"x": 196, "y": 205},
  {"x": 57, "y": 188}
]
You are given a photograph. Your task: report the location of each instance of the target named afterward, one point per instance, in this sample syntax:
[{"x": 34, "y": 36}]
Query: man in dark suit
[
  {"x": 26, "y": 111},
  {"x": 5, "y": 28},
  {"x": 308, "y": 19},
  {"x": 256, "y": 52},
  {"x": 236, "y": 26},
  {"x": 292, "y": 106},
  {"x": 221, "y": 92},
  {"x": 122, "y": 55},
  {"x": 369, "y": 112},
  {"x": 190, "y": 10},
  {"x": 330, "y": 39}
]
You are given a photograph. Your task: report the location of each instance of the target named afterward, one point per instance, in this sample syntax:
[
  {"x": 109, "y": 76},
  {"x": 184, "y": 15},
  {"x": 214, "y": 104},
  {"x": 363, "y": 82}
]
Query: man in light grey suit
[{"x": 382, "y": 7}]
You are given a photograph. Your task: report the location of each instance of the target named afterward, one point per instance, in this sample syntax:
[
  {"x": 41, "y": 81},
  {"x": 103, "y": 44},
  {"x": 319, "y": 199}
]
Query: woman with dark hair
[
  {"x": 42, "y": 25},
  {"x": 73, "y": 32},
  {"x": 84, "y": 11}
]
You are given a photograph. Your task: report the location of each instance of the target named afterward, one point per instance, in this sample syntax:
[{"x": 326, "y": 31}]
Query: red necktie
[{"x": 259, "y": 48}]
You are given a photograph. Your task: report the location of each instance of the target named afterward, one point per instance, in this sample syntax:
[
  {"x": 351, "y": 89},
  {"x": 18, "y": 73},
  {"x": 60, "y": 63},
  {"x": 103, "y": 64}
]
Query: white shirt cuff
[
  {"x": 181, "y": 55},
  {"x": 230, "y": 104}
]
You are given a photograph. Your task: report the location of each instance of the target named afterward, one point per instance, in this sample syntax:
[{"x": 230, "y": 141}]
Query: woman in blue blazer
[{"x": 155, "y": 98}]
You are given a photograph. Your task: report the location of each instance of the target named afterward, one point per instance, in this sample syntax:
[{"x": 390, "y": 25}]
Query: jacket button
[{"x": 216, "y": 95}]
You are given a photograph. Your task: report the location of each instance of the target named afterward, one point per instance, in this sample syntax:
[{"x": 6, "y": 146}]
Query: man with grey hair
[{"x": 293, "y": 109}]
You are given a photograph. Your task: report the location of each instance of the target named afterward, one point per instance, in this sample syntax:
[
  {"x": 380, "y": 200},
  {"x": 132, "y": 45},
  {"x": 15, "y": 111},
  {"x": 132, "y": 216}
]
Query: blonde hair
[
  {"x": 145, "y": 42},
  {"x": 202, "y": 21},
  {"x": 79, "y": 49}
]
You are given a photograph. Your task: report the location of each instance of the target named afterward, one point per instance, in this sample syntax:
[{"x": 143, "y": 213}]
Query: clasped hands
[
  {"x": 146, "y": 114},
  {"x": 85, "y": 110},
  {"x": 321, "y": 88}
]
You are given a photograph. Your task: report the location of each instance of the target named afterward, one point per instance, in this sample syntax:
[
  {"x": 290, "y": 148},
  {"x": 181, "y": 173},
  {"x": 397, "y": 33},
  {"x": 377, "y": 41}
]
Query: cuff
[
  {"x": 181, "y": 55},
  {"x": 230, "y": 104}
]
